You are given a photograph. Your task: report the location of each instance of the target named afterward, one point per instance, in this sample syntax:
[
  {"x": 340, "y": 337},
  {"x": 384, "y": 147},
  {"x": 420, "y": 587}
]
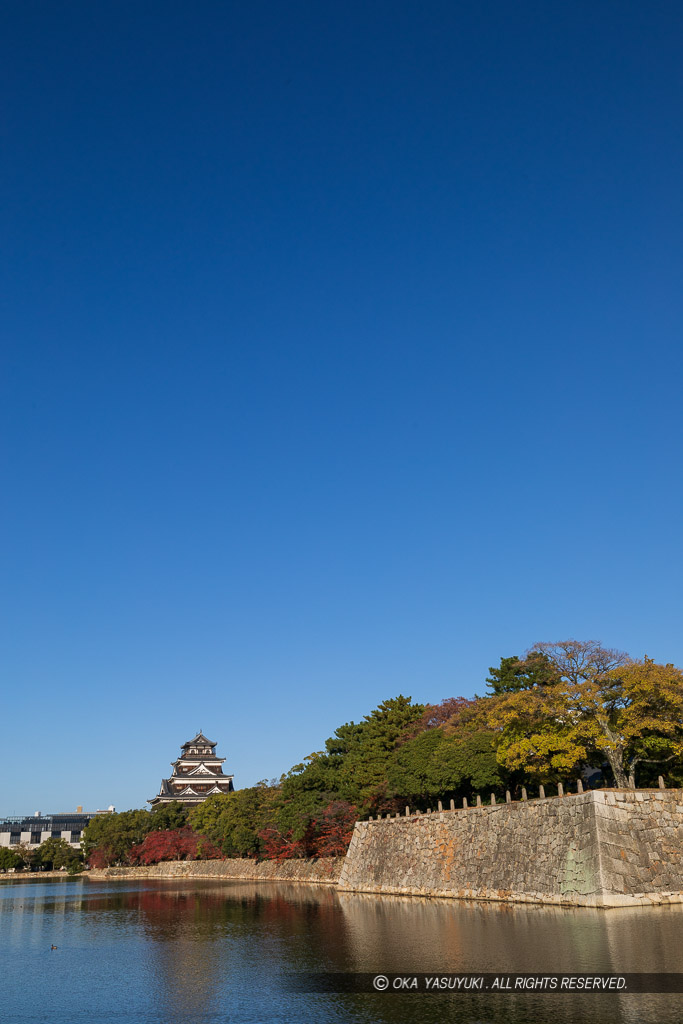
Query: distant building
[
  {"x": 197, "y": 773},
  {"x": 35, "y": 830}
]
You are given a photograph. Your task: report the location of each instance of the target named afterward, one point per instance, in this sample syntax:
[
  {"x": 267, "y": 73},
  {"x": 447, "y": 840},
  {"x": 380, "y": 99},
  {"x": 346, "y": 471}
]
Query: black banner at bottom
[{"x": 492, "y": 984}]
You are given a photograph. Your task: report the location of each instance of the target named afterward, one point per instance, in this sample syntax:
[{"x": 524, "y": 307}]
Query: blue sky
[{"x": 341, "y": 357}]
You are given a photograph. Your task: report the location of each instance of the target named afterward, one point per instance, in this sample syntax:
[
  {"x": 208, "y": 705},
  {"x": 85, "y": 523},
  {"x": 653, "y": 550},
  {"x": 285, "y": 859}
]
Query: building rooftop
[{"x": 200, "y": 740}]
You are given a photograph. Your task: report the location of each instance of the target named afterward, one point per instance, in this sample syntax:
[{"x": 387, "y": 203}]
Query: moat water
[{"x": 211, "y": 953}]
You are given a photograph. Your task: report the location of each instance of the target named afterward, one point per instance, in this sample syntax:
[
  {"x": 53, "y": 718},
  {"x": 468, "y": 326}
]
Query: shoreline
[
  {"x": 319, "y": 871},
  {"x": 38, "y": 876},
  {"x": 327, "y": 873}
]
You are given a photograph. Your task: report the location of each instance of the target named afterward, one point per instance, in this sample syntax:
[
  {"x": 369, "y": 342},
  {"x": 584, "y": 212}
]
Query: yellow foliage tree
[{"x": 628, "y": 714}]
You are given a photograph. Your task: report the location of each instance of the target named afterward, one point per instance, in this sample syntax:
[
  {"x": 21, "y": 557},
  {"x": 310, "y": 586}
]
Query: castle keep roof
[{"x": 200, "y": 740}]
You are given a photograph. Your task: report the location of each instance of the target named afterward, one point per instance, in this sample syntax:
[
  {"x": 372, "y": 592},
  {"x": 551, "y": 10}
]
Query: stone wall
[
  {"x": 605, "y": 848},
  {"x": 36, "y": 876},
  {"x": 323, "y": 870}
]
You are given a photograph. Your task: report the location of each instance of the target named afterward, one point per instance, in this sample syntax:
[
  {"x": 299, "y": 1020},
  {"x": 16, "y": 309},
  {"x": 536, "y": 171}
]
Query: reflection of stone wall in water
[
  {"x": 403, "y": 934},
  {"x": 487, "y": 935},
  {"x": 604, "y": 848}
]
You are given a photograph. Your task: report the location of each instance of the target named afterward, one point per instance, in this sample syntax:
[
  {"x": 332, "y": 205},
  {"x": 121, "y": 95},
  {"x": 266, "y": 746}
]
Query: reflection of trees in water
[
  {"x": 206, "y": 911},
  {"x": 185, "y": 928},
  {"x": 209, "y": 941}
]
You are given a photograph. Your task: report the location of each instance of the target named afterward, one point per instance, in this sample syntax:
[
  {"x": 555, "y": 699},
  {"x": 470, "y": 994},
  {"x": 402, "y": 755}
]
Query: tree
[
  {"x": 456, "y": 759},
  {"x": 362, "y": 774},
  {"x": 633, "y": 714},
  {"x": 101, "y": 857},
  {"x": 233, "y": 820},
  {"x": 474, "y": 759},
  {"x": 416, "y": 770},
  {"x": 514, "y": 674},
  {"x": 111, "y": 836},
  {"x": 536, "y": 734},
  {"x": 9, "y": 860},
  {"x": 55, "y": 853},
  {"x": 27, "y": 854},
  {"x": 604, "y": 707},
  {"x": 173, "y": 844},
  {"x": 330, "y": 833},
  {"x": 435, "y": 715},
  {"x": 172, "y": 815},
  {"x": 537, "y": 727},
  {"x": 353, "y": 768},
  {"x": 279, "y": 845},
  {"x": 577, "y": 661}
]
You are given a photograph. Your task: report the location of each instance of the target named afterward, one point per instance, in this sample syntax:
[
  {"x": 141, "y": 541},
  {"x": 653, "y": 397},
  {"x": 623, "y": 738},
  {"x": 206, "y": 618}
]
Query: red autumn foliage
[
  {"x": 281, "y": 846},
  {"x": 450, "y": 710},
  {"x": 332, "y": 830},
  {"x": 328, "y": 835},
  {"x": 102, "y": 857},
  {"x": 173, "y": 844}
]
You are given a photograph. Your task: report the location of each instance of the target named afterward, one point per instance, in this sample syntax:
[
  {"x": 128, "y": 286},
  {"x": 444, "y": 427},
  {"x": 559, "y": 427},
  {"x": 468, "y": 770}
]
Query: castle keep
[{"x": 197, "y": 773}]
